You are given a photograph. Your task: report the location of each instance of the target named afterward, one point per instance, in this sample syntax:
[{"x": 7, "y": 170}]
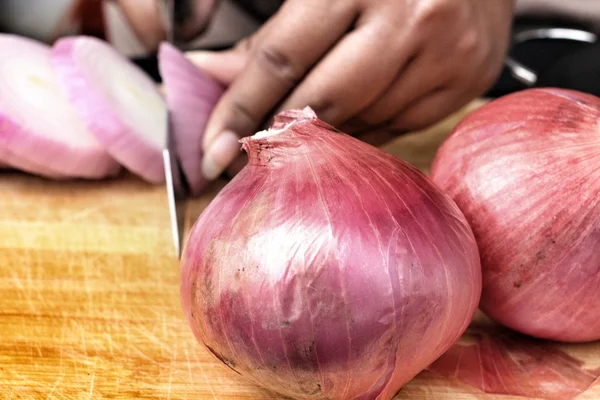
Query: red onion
[
  {"x": 191, "y": 95},
  {"x": 327, "y": 268},
  {"x": 39, "y": 130},
  {"x": 525, "y": 171},
  {"x": 120, "y": 104}
]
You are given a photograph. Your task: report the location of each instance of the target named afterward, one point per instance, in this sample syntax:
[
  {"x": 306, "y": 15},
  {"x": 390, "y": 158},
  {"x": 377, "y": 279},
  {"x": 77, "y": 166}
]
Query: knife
[
  {"x": 177, "y": 191},
  {"x": 176, "y": 183}
]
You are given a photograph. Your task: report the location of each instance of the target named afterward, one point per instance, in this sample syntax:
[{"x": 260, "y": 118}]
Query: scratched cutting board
[{"x": 89, "y": 295}]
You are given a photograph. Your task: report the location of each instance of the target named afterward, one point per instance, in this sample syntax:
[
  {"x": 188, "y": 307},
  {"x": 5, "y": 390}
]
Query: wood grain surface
[{"x": 89, "y": 295}]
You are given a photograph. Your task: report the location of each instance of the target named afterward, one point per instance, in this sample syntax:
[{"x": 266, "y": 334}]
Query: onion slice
[
  {"x": 15, "y": 162},
  {"x": 515, "y": 365},
  {"x": 191, "y": 95},
  {"x": 39, "y": 131},
  {"x": 120, "y": 104}
]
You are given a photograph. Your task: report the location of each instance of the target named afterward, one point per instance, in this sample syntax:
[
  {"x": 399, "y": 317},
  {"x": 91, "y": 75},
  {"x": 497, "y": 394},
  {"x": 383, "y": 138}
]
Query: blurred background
[{"x": 134, "y": 28}]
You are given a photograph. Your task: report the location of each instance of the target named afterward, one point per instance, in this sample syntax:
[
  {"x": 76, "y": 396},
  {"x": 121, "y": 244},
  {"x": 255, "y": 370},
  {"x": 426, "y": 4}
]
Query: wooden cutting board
[{"x": 89, "y": 295}]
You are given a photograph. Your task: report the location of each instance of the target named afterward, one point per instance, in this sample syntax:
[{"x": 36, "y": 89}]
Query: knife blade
[
  {"x": 177, "y": 193},
  {"x": 175, "y": 180}
]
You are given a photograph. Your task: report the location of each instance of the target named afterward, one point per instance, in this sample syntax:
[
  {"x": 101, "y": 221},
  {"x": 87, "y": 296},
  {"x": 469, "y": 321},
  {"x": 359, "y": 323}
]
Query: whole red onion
[
  {"x": 525, "y": 170},
  {"x": 328, "y": 269}
]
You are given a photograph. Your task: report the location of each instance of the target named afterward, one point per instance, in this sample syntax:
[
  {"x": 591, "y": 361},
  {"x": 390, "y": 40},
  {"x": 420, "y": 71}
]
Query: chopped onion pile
[
  {"x": 81, "y": 110},
  {"x": 328, "y": 268},
  {"x": 525, "y": 170}
]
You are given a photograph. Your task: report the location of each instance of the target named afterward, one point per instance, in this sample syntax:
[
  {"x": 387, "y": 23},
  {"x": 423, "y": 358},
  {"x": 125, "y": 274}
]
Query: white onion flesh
[{"x": 39, "y": 130}]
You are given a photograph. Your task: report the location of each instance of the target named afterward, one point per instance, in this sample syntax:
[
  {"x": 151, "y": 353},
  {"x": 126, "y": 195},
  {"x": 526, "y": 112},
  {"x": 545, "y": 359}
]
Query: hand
[
  {"x": 144, "y": 17},
  {"x": 360, "y": 64}
]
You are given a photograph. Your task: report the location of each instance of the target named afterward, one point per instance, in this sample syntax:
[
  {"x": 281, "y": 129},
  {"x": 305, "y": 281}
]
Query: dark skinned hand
[{"x": 364, "y": 66}]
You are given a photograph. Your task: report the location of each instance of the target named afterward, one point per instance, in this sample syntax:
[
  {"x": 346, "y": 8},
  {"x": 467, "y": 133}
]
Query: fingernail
[
  {"x": 220, "y": 154},
  {"x": 200, "y": 57}
]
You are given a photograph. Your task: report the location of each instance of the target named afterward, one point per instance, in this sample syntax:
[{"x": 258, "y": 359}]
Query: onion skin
[
  {"x": 525, "y": 171},
  {"x": 328, "y": 269}
]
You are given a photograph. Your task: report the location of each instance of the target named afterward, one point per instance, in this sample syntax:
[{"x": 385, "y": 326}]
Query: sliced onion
[
  {"x": 39, "y": 130},
  {"x": 511, "y": 364},
  {"x": 191, "y": 95},
  {"x": 120, "y": 104},
  {"x": 32, "y": 167}
]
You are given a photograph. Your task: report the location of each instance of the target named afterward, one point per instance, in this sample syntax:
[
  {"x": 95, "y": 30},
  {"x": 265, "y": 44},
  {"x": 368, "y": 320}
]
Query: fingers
[
  {"x": 429, "y": 109},
  {"x": 352, "y": 75},
  {"x": 226, "y": 66},
  {"x": 298, "y": 38},
  {"x": 198, "y": 19},
  {"x": 222, "y": 66},
  {"x": 300, "y": 34},
  {"x": 225, "y": 148},
  {"x": 378, "y": 137},
  {"x": 143, "y": 16},
  {"x": 418, "y": 79}
]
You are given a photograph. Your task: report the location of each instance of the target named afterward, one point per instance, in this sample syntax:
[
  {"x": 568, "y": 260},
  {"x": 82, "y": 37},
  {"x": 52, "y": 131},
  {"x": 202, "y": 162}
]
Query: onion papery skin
[
  {"x": 328, "y": 269},
  {"x": 525, "y": 171}
]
